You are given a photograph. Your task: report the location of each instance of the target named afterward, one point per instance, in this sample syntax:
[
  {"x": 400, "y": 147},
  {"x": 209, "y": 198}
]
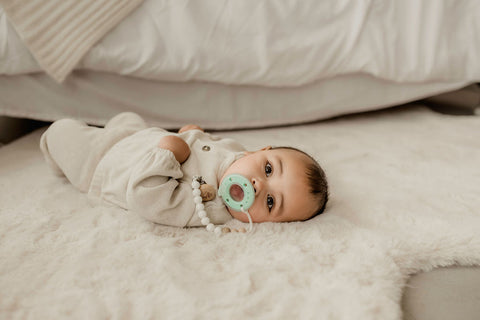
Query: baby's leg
[
  {"x": 177, "y": 145},
  {"x": 127, "y": 121},
  {"x": 45, "y": 148},
  {"x": 67, "y": 147},
  {"x": 73, "y": 148}
]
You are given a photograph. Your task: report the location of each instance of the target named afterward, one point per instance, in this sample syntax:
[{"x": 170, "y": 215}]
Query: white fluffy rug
[{"x": 405, "y": 187}]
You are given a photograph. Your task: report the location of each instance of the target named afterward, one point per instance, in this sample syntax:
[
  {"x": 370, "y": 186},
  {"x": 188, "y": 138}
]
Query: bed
[{"x": 404, "y": 181}]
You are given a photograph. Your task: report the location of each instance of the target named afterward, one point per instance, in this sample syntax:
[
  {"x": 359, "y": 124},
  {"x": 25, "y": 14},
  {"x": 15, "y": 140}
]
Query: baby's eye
[
  {"x": 270, "y": 202},
  {"x": 268, "y": 169}
]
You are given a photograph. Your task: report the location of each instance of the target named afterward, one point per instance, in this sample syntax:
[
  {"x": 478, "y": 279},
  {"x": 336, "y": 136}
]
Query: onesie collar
[{"x": 231, "y": 158}]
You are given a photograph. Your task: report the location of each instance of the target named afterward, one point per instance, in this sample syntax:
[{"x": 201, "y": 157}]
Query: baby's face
[{"x": 281, "y": 190}]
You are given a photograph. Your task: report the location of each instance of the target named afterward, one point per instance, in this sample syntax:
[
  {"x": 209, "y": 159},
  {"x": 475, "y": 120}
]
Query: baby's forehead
[
  {"x": 293, "y": 161},
  {"x": 300, "y": 203},
  {"x": 293, "y": 156},
  {"x": 296, "y": 162}
]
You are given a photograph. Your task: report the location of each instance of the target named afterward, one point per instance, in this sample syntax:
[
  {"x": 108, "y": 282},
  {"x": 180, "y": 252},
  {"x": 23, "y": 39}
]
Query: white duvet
[{"x": 281, "y": 43}]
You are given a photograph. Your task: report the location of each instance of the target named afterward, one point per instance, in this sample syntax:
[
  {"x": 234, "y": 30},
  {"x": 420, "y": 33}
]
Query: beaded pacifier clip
[{"x": 236, "y": 192}]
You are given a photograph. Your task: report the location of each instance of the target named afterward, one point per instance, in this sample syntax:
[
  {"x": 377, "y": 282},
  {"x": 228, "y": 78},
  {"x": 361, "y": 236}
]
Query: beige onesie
[{"x": 122, "y": 165}]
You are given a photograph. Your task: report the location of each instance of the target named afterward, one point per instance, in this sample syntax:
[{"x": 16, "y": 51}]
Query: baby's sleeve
[{"x": 154, "y": 190}]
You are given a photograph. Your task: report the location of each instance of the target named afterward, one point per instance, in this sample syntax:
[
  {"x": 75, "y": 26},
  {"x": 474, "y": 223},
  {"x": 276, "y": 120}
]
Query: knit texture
[{"x": 58, "y": 33}]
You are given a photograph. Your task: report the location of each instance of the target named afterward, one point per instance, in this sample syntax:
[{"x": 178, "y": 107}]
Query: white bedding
[
  {"x": 404, "y": 198},
  {"x": 282, "y": 43},
  {"x": 96, "y": 97}
]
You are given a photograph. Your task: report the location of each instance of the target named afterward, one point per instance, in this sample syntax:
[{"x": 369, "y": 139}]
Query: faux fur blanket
[{"x": 404, "y": 198}]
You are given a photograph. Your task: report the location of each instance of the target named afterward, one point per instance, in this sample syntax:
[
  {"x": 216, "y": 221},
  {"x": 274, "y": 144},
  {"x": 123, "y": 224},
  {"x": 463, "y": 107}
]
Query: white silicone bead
[
  {"x": 202, "y": 214},
  {"x": 195, "y": 184},
  {"x": 200, "y": 209}
]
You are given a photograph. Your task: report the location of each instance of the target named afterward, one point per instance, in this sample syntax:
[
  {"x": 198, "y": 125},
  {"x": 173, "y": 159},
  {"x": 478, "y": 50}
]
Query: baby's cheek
[
  {"x": 238, "y": 215},
  {"x": 257, "y": 212}
]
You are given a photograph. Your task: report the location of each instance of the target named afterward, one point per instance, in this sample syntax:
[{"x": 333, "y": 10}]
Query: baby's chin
[{"x": 238, "y": 215}]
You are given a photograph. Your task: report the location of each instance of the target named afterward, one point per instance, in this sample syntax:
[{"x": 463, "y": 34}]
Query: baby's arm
[
  {"x": 155, "y": 190},
  {"x": 177, "y": 145},
  {"x": 189, "y": 127},
  {"x": 208, "y": 192}
]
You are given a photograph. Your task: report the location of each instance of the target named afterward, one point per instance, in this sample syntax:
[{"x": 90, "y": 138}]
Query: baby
[{"x": 150, "y": 171}]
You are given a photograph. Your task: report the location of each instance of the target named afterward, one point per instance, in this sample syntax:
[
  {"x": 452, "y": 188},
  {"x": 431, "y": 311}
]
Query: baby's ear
[{"x": 252, "y": 152}]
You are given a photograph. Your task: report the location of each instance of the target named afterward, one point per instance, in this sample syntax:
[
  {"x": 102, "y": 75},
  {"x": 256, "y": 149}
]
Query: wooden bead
[
  {"x": 208, "y": 192},
  {"x": 242, "y": 230},
  {"x": 226, "y": 230}
]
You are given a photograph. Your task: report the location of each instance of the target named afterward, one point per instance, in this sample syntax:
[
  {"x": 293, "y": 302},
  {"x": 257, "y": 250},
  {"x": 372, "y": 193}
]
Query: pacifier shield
[{"x": 237, "y": 192}]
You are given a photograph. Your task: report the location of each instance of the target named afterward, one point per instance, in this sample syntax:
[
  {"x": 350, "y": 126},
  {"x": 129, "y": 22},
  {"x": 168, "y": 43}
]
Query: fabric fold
[{"x": 59, "y": 33}]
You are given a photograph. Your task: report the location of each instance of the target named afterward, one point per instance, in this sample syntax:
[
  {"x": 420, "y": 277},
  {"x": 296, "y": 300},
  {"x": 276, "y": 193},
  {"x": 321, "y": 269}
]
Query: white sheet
[
  {"x": 285, "y": 43},
  {"x": 404, "y": 197},
  {"x": 96, "y": 97}
]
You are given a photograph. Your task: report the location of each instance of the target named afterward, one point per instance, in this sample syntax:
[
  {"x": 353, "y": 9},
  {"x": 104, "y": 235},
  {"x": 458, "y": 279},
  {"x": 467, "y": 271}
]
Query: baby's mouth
[{"x": 236, "y": 192}]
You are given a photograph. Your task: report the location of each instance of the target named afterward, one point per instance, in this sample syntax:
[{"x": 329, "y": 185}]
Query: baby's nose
[{"x": 257, "y": 185}]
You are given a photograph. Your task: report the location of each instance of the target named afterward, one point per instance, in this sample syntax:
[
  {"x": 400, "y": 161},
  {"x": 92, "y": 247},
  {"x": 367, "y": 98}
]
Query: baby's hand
[
  {"x": 177, "y": 145},
  {"x": 189, "y": 127}
]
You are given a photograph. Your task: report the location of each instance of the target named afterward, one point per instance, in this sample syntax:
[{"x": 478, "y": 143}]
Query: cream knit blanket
[{"x": 59, "y": 32}]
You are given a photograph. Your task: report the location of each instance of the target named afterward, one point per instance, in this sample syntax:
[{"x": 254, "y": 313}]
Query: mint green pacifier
[{"x": 237, "y": 192}]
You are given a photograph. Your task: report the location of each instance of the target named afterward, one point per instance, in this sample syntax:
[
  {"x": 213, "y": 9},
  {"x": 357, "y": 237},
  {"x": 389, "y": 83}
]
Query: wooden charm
[{"x": 208, "y": 192}]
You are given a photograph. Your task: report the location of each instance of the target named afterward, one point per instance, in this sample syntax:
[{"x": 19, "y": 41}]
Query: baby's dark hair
[{"x": 317, "y": 181}]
